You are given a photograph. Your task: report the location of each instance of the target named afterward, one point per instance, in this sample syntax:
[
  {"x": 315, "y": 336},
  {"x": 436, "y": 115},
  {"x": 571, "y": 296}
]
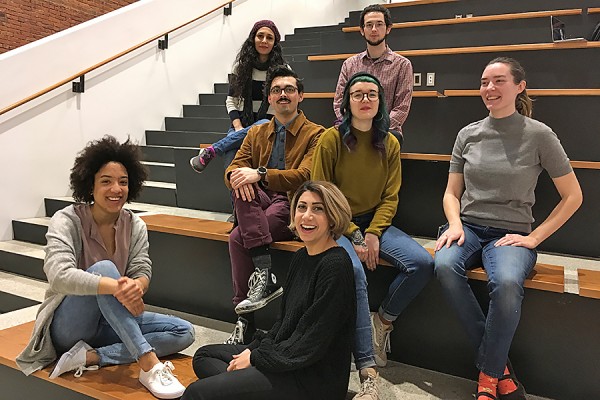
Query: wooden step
[{"x": 117, "y": 382}]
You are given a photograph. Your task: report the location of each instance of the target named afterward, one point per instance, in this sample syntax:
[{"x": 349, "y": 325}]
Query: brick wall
[{"x": 24, "y": 21}]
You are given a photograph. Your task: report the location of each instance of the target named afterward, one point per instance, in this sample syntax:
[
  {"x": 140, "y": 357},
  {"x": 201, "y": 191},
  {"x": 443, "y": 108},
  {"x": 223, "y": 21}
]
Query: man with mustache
[
  {"x": 393, "y": 71},
  {"x": 274, "y": 160}
]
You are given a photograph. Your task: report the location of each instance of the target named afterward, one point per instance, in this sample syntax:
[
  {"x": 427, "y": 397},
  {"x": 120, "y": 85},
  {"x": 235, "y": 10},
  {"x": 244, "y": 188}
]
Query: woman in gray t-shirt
[{"x": 494, "y": 169}]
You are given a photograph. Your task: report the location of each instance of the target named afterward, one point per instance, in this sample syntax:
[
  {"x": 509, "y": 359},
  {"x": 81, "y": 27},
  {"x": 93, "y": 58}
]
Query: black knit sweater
[{"x": 314, "y": 334}]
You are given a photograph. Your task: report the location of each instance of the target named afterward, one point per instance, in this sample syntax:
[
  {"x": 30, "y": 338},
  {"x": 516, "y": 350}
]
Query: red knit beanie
[{"x": 266, "y": 23}]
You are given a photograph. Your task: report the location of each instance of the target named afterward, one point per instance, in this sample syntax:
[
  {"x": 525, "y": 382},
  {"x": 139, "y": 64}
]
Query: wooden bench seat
[
  {"x": 417, "y": 3},
  {"x": 544, "y": 277},
  {"x": 470, "y": 50},
  {"x": 589, "y": 283},
  {"x": 478, "y": 18},
  {"x": 415, "y": 93},
  {"x": 108, "y": 383}
]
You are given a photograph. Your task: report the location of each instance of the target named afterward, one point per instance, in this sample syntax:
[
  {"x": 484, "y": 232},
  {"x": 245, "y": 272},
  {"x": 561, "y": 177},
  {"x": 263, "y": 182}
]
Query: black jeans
[{"x": 210, "y": 365}]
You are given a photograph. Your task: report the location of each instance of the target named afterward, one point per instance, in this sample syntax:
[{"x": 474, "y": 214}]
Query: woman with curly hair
[
  {"x": 362, "y": 158},
  {"x": 98, "y": 270},
  {"x": 246, "y": 103}
]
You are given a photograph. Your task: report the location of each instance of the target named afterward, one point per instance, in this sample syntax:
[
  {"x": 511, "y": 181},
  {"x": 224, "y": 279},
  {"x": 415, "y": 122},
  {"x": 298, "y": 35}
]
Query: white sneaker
[
  {"x": 161, "y": 381},
  {"x": 381, "y": 339},
  {"x": 73, "y": 360}
]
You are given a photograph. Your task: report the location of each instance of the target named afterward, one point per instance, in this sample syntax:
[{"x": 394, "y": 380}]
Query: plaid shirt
[{"x": 396, "y": 76}]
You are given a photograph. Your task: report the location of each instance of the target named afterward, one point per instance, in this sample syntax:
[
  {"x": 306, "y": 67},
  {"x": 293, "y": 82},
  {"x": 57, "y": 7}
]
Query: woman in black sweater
[{"x": 306, "y": 354}]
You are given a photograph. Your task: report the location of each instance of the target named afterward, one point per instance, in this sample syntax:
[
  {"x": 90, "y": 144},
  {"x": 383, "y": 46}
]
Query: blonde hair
[
  {"x": 523, "y": 102},
  {"x": 335, "y": 204}
]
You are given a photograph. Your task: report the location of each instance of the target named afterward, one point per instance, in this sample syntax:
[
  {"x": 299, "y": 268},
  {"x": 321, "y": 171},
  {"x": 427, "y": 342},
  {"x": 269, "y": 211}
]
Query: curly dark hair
[
  {"x": 98, "y": 153},
  {"x": 245, "y": 60},
  {"x": 381, "y": 122},
  {"x": 387, "y": 16}
]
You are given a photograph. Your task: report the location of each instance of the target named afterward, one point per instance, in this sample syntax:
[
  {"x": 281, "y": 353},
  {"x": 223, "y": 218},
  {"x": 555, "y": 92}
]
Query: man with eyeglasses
[
  {"x": 274, "y": 160},
  {"x": 393, "y": 70}
]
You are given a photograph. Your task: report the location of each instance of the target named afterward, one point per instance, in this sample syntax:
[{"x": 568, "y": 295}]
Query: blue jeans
[
  {"x": 229, "y": 145},
  {"x": 117, "y": 336},
  {"x": 415, "y": 269},
  {"x": 507, "y": 267}
]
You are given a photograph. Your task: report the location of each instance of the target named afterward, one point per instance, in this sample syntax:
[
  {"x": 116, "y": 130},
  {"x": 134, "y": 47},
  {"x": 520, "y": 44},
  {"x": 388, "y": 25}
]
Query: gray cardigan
[{"x": 63, "y": 249}]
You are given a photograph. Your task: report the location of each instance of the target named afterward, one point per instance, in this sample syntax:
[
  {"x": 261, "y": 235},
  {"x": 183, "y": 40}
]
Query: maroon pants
[{"x": 260, "y": 222}]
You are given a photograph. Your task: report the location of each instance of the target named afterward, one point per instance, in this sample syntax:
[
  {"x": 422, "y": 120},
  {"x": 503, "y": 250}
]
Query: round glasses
[
  {"x": 276, "y": 90},
  {"x": 360, "y": 96}
]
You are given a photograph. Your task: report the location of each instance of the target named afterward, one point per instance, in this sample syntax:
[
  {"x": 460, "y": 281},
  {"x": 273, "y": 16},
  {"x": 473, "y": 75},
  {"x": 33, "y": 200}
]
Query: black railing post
[
  {"x": 79, "y": 87},
  {"x": 228, "y": 10},
  {"x": 163, "y": 44}
]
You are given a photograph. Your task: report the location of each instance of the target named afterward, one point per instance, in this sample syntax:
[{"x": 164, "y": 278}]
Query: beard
[{"x": 376, "y": 43}]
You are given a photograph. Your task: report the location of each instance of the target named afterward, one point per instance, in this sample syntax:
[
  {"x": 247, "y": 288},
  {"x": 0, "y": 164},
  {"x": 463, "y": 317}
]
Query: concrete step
[
  {"x": 216, "y": 111},
  {"x": 154, "y": 192},
  {"x": 221, "y": 88},
  {"x": 161, "y": 172},
  {"x": 157, "y": 153},
  {"x": 210, "y": 99},
  {"x": 32, "y": 230},
  {"x": 22, "y": 258},
  {"x": 190, "y": 124},
  {"x": 182, "y": 138}
]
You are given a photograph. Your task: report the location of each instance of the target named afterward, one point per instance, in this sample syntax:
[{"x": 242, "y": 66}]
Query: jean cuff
[{"x": 387, "y": 316}]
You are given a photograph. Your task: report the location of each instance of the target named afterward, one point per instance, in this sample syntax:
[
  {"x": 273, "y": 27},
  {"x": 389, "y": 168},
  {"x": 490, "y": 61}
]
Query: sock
[
  {"x": 261, "y": 258},
  {"x": 486, "y": 384},
  {"x": 506, "y": 386},
  {"x": 250, "y": 328},
  {"x": 212, "y": 151}
]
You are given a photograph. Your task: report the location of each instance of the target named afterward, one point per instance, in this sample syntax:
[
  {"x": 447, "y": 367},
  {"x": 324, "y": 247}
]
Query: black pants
[{"x": 210, "y": 365}]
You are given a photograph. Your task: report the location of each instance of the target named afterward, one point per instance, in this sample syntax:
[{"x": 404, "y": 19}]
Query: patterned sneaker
[
  {"x": 368, "y": 385},
  {"x": 237, "y": 336},
  {"x": 263, "y": 289},
  {"x": 73, "y": 360},
  {"x": 381, "y": 339},
  {"x": 161, "y": 381},
  {"x": 200, "y": 162}
]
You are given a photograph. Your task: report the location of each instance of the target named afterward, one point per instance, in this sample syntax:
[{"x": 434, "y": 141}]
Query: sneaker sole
[
  {"x": 260, "y": 304},
  {"x": 381, "y": 362},
  {"x": 63, "y": 359},
  {"x": 163, "y": 396},
  {"x": 194, "y": 168}
]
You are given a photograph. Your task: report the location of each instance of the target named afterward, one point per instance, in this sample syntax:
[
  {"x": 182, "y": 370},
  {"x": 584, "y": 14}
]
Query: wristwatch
[
  {"x": 357, "y": 238},
  {"x": 262, "y": 173}
]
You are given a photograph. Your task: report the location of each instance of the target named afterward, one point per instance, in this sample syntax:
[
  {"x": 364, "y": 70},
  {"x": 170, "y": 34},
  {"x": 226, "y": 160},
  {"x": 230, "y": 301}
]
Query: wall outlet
[
  {"x": 417, "y": 79},
  {"x": 430, "y": 79}
]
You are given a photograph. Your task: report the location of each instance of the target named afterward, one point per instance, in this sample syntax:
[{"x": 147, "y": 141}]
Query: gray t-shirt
[{"x": 501, "y": 160}]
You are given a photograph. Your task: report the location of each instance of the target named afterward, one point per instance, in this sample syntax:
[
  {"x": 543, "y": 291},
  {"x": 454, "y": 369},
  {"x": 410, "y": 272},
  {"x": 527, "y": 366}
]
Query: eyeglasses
[
  {"x": 360, "y": 96},
  {"x": 276, "y": 90},
  {"x": 371, "y": 25}
]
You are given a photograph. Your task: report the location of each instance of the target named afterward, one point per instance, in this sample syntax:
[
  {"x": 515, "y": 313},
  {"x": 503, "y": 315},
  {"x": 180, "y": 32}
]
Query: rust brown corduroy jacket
[{"x": 300, "y": 142}]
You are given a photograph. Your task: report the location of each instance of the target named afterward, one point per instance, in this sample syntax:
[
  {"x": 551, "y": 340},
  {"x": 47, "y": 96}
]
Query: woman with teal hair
[{"x": 362, "y": 158}]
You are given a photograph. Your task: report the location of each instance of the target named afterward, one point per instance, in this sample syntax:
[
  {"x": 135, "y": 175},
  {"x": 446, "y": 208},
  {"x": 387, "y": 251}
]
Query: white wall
[{"x": 39, "y": 141}]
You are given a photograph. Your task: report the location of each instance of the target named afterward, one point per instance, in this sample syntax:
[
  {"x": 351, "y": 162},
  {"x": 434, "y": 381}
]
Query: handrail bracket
[
  {"x": 79, "y": 87},
  {"x": 163, "y": 44},
  {"x": 228, "y": 10}
]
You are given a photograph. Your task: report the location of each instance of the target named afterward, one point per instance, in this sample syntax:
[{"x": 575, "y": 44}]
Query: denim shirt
[{"x": 277, "y": 159}]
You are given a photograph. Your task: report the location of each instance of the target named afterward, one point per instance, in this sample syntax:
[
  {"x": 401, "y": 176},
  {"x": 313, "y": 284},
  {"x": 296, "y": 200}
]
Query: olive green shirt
[{"x": 369, "y": 180}]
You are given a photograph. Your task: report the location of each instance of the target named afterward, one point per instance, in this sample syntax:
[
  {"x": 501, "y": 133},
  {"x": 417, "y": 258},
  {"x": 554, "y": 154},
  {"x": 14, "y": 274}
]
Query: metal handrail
[{"x": 227, "y": 6}]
